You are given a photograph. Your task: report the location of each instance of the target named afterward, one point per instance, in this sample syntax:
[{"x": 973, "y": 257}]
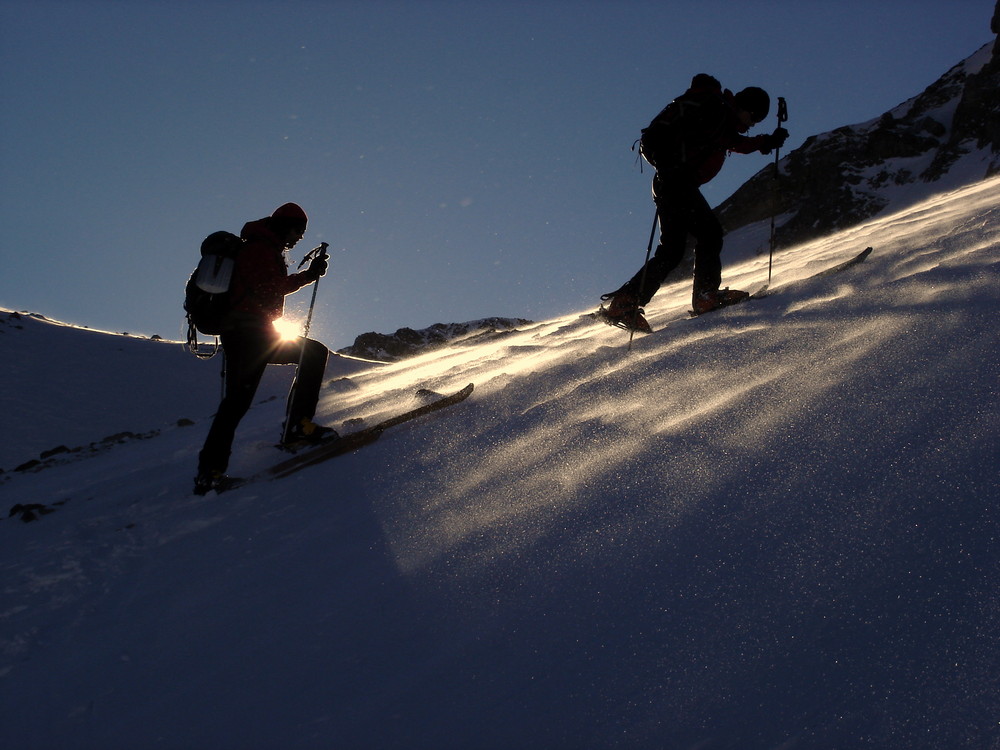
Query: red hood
[{"x": 260, "y": 231}]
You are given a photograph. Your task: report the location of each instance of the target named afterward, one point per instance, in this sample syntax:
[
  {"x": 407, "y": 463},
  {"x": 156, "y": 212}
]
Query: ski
[
  {"x": 355, "y": 440},
  {"x": 762, "y": 292},
  {"x": 345, "y": 444},
  {"x": 859, "y": 258},
  {"x": 729, "y": 303}
]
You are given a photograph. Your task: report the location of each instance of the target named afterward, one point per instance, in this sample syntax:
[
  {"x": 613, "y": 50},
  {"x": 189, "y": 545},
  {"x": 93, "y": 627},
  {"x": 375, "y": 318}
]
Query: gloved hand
[
  {"x": 317, "y": 267},
  {"x": 774, "y": 140}
]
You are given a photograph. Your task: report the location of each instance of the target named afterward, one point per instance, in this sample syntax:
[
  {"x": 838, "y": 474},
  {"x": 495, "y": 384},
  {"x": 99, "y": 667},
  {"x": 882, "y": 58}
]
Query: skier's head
[
  {"x": 755, "y": 102},
  {"x": 289, "y": 222},
  {"x": 291, "y": 215}
]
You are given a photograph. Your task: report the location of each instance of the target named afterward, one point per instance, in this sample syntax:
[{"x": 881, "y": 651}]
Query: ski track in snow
[{"x": 770, "y": 526}]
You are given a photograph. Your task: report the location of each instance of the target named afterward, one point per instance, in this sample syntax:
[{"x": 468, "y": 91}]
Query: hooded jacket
[
  {"x": 727, "y": 138},
  {"x": 260, "y": 277},
  {"x": 699, "y": 129}
]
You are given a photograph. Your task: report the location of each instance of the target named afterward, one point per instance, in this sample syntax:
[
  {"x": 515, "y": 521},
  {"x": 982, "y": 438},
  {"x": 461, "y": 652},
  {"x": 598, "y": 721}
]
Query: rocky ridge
[
  {"x": 838, "y": 179},
  {"x": 407, "y": 342}
]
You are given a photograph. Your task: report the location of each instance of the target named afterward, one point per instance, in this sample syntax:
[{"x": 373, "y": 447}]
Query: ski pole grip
[
  {"x": 315, "y": 252},
  {"x": 782, "y": 117}
]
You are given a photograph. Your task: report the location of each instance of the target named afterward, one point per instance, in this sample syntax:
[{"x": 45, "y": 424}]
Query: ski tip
[
  {"x": 352, "y": 358},
  {"x": 457, "y": 395}
]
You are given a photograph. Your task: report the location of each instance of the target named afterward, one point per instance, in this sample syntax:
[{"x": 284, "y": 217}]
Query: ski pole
[
  {"x": 782, "y": 117},
  {"x": 645, "y": 266},
  {"x": 318, "y": 252}
]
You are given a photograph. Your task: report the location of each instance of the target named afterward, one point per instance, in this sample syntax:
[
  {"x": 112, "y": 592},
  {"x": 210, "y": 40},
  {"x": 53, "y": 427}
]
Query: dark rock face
[
  {"x": 407, "y": 342},
  {"x": 843, "y": 177}
]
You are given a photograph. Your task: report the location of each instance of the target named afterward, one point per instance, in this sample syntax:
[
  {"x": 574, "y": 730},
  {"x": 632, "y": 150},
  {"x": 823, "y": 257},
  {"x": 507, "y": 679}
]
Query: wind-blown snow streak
[{"x": 771, "y": 526}]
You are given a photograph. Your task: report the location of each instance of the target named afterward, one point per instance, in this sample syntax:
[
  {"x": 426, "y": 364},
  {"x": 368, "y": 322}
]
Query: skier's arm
[
  {"x": 765, "y": 143},
  {"x": 317, "y": 268}
]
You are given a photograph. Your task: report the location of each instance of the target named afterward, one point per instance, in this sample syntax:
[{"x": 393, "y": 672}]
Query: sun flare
[{"x": 287, "y": 328}]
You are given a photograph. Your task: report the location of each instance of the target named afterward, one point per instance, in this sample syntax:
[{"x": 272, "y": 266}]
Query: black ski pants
[
  {"x": 681, "y": 210},
  {"x": 248, "y": 352}
]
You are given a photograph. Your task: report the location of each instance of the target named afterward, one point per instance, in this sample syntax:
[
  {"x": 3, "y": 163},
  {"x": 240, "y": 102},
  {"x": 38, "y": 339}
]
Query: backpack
[
  {"x": 682, "y": 129},
  {"x": 207, "y": 296}
]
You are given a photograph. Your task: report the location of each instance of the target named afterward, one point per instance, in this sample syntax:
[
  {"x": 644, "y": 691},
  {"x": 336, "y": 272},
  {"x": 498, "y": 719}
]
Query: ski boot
[
  {"x": 307, "y": 433},
  {"x": 704, "y": 302},
  {"x": 624, "y": 312},
  {"x": 213, "y": 481}
]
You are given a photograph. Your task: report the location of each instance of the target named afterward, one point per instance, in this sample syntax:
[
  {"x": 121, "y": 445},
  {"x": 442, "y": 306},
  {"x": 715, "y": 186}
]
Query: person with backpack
[
  {"x": 687, "y": 143},
  {"x": 260, "y": 281}
]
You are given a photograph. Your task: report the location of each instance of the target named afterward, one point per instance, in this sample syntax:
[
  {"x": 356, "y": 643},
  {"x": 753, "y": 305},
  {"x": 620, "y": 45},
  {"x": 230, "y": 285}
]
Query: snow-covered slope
[
  {"x": 771, "y": 526},
  {"x": 941, "y": 139},
  {"x": 72, "y": 388}
]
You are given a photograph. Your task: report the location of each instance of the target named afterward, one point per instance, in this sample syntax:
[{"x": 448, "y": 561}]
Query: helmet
[{"x": 755, "y": 101}]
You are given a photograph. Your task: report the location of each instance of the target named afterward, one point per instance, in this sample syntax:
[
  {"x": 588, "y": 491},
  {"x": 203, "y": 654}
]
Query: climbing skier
[
  {"x": 250, "y": 341},
  {"x": 687, "y": 143}
]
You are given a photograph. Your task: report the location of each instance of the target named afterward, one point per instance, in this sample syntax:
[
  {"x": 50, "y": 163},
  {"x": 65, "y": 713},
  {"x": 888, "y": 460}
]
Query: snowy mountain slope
[
  {"x": 772, "y": 526},
  {"x": 939, "y": 140},
  {"x": 71, "y": 387}
]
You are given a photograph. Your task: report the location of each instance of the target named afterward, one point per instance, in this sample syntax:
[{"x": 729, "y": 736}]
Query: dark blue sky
[{"x": 462, "y": 159}]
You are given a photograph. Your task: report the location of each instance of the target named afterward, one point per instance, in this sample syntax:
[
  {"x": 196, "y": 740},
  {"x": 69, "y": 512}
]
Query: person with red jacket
[
  {"x": 250, "y": 341},
  {"x": 687, "y": 144}
]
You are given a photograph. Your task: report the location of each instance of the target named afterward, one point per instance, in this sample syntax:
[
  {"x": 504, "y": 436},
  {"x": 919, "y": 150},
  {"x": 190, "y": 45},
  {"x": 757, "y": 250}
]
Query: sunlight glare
[{"x": 287, "y": 328}]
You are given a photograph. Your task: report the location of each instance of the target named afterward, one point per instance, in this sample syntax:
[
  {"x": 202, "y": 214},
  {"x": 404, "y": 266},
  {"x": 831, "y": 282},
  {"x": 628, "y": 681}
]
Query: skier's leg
[
  {"x": 708, "y": 249},
  {"x": 311, "y": 356},
  {"x": 246, "y": 357}
]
